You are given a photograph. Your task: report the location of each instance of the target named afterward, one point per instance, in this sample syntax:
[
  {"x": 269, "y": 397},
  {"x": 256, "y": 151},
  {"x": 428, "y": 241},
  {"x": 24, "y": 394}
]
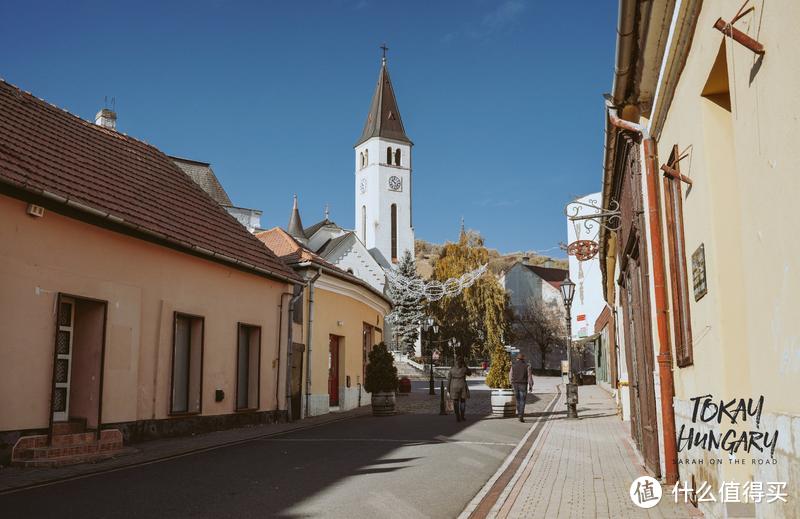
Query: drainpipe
[
  {"x": 289, "y": 352},
  {"x": 665, "y": 374},
  {"x": 309, "y": 339},
  {"x": 280, "y": 337}
]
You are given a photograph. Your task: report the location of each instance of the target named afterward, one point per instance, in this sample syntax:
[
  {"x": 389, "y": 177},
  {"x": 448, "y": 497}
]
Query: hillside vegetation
[{"x": 427, "y": 254}]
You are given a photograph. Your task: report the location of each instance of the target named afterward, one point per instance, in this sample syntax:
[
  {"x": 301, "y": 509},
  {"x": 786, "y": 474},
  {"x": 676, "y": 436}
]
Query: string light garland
[{"x": 434, "y": 290}]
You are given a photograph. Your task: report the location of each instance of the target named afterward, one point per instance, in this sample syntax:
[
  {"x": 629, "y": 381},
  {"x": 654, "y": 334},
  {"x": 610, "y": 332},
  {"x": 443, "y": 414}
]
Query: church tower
[{"x": 383, "y": 178}]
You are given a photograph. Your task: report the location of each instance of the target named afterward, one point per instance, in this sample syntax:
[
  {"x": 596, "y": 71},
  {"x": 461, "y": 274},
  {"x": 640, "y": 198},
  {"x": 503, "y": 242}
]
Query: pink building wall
[{"x": 144, "y": 284}]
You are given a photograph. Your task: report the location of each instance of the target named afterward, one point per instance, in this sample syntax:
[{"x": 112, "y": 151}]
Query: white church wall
[
  {"x": 361, "y": 264},
  {"x": 319, "y": 238},
  {"x": 378, "y": 198}
]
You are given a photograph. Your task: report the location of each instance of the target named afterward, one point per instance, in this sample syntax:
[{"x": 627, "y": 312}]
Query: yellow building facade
[
  {"x": 703, "y": 129},
  {"x": 337, "y": 321}
]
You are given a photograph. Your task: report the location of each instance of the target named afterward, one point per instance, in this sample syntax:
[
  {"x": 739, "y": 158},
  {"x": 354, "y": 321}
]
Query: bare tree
[{"x": 540, "y": 324}]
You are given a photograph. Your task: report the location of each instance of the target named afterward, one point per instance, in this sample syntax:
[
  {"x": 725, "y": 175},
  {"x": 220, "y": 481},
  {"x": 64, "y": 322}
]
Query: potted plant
[
  {"x": 497, "y": 379},
  {"x": 380, "y": 379}
]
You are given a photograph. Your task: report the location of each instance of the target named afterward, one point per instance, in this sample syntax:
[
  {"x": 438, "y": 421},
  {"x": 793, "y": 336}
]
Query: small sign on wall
[{"x": 699, "y": 272}]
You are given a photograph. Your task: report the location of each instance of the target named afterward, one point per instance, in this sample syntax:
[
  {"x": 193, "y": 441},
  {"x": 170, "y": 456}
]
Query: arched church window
[
  {"x": 361, "y": 156},
  {"x": 397, "y": 157},
  {"x": 394, "y": 233},
  {"x": 389, "y": 155},
  {"x": 364, "y": 224},
  {"x": 366, "y": 157}
]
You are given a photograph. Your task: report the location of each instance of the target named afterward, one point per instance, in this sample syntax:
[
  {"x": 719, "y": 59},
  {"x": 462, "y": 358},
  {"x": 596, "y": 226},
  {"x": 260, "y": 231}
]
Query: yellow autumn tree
[{"x": 478, "y": 316}]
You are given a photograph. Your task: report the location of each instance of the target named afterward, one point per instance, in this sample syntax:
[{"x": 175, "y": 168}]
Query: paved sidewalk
[{"x": 581, "y": 468}]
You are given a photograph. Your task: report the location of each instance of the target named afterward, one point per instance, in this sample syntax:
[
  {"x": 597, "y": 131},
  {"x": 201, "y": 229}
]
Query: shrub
[
  {"x": 498, "y": 372},
  {"x": 381, "y": 374}
]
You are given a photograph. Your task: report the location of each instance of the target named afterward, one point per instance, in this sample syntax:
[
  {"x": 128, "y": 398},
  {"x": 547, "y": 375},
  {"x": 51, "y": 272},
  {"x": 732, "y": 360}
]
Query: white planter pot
[
  {"x": 383, "y": 404},
  {"x": 503, "y": 402}
]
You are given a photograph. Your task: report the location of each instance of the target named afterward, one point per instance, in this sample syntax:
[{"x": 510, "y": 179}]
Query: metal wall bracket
[{"x": 609, "y": 219}]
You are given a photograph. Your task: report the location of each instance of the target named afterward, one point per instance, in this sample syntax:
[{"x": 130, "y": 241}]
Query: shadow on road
[{"x": 363, "y": 466}]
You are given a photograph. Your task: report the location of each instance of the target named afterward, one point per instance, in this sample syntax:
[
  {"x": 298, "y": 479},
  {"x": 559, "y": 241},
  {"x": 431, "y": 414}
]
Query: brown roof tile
[
  {"x": 292, "y": 252},
  {"x": 44, "y": 149},
  {"x": 553, "y": 276}
]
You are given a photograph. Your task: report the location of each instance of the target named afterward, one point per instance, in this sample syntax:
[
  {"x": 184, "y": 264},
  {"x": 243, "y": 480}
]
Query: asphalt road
[{"x": 415, "y": 464}]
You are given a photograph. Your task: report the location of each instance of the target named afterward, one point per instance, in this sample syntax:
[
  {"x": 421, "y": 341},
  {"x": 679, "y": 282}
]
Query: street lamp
[
  {"x": 454, "y": 344},
  {"x": 568, "y": 292},
  {"x": 430, "y": 324}
]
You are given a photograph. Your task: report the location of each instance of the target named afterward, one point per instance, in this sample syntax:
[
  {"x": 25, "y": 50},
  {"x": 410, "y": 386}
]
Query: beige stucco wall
[
  {"x": 742, "y": 208},
  {"x": 341, "y": 308},
  {"x": 144, "y": 284}
]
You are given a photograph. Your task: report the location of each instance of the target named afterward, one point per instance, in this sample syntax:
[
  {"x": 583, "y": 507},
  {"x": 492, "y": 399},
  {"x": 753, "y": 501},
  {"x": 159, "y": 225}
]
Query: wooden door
[
  {"x": 366, "y": 348},
  {"x": 644, "y": 394},
  {"x": 333, "y": 371}
]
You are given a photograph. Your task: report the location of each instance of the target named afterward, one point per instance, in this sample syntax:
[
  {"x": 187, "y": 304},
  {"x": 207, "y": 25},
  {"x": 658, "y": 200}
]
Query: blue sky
[{"x": 503, "y": 99}]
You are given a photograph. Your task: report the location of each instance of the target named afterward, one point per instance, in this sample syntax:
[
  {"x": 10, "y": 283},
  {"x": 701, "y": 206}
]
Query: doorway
[
  {"x": 333, "y": 371},
  {"x": 78, "y": 363},
  {"x": 644, "y": 419}
]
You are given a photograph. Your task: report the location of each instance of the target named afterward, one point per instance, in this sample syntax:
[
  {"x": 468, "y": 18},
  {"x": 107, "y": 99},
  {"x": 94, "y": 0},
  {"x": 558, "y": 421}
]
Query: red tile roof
[
  {"x": 48, "y": 151},
  {"x": 292, "y": 252},
  {"x": 553, "y": 276}
]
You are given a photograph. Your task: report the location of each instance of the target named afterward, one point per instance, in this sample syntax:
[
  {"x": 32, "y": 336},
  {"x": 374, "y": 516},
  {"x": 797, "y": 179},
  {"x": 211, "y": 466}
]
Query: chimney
[
  {"x": 106, "y": 118},
  {"x": 548, "y": 263}
]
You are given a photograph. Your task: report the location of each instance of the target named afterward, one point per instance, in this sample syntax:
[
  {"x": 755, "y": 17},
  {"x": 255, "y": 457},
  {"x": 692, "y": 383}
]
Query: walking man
[{"x": 522, "y": 382}]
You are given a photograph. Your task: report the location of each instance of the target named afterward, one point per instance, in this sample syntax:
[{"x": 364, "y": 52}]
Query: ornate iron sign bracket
[{"x": 609, "y": 219}]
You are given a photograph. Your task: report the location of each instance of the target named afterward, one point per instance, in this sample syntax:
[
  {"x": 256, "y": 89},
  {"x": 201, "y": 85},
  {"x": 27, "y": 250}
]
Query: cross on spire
[{"x": 384, "y": 48}]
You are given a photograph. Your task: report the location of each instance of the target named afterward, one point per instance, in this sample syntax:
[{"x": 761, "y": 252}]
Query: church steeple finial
[
  {"x": 383, "y": 119},
  {"x": 384, "y": 48}
]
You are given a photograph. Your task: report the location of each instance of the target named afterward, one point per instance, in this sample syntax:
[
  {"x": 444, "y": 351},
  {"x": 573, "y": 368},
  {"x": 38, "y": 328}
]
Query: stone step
[
  {"x": 63, "y": 440},
  {"x": 71, "y": 427},
  {"x": 73, "y": 450},
  {"x": 66, "y": 449}
]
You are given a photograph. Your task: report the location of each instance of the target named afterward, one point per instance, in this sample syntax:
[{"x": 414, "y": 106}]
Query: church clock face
[
  {"x": 362, "y": 186},
  {"x": 395, "y": 183}
]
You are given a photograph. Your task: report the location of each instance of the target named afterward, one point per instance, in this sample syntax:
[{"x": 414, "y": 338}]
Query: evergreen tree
[
  {"x": 479, "y": 316},
  {"x": 408, "y": 309},
  {"x": 381, "y": 373}
]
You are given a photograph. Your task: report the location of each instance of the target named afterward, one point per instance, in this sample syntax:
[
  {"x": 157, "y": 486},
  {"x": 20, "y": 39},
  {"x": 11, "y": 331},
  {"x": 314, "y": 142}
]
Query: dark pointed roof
[
  {"x": 295, "y": 227},
  {"x": 384, "y": 119},
  {"x": 309, "y": 231}
]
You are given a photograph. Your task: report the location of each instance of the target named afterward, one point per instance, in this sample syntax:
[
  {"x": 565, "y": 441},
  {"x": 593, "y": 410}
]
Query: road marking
[{"x": 435, "y": 441}]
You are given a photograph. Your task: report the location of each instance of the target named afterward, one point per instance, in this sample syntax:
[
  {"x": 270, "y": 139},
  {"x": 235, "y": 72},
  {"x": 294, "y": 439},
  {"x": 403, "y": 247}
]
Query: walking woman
[{"x": 457, "y": 386}]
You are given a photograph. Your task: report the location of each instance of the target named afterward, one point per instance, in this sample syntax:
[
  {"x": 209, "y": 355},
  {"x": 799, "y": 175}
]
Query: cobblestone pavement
[{"x": 582, "y": 468}]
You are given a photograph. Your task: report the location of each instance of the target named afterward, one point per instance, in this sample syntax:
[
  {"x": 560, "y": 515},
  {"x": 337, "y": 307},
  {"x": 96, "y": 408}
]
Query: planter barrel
[
  {"x": 503, "y": 403},
  {"x": 383, "y": 404}
]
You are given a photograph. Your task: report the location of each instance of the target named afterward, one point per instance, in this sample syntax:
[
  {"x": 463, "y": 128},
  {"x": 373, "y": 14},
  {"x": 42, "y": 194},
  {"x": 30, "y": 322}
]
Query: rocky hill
[{"x": 427, "y": 254}]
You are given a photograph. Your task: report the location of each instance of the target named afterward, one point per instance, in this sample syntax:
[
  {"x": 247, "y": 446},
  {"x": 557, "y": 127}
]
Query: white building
[
  {"x": 588, "y": 301},
  {"x": 383, "y": 218},
  {"x": 527, "y": 285}
]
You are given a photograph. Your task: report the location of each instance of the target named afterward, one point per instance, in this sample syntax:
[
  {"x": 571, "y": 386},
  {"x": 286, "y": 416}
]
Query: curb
[{"x": 480, "y": 499}]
